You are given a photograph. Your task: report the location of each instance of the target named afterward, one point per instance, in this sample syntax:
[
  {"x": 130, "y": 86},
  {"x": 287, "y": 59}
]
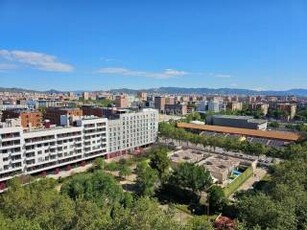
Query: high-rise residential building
[
  {"x": 85, "y": 96},
  {"x": 107, "y": 112},
  {"x": 272, "y": 98},
  {"x": 71, "y": 95},
  {"x": 142, "y": 96},
  {"x": 50, "y": 148},
  {"x": 176, "y": 109},
  {"x": 235, "y": 106},
  {"x": 292, "y": 98},
  {"x": 47, "y": 103},
  {"x": 132, "y": 130},
  {"x": 121, "y": 101},
  {"x": 160, "y": 103},
  {"x": 251, "y": 99},
  {"x": 263, "y": 107},
  {"x": 192, "y": 99},
  {"x": 216, "y": 106},
  {"x": 235, "y": 98},
  {"x": 184, "y": 99},
  {"x": 54, "y": 114},
  {"x": 29, "y": 119},
  {"x": 202, "y": 106},
  {"x": 170, "y": 100},
  {"x": 288, "y": 107}
]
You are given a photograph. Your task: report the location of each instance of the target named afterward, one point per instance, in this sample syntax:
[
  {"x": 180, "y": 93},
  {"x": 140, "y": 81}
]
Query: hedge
[{"x": 234, "y": 185}]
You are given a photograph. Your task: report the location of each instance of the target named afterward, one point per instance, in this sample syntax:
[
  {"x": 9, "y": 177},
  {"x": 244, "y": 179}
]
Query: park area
[
  {"x": 135, "y": 174},
  {"x": 124, "y": 170},
  {"x": 161, "y": 187}
]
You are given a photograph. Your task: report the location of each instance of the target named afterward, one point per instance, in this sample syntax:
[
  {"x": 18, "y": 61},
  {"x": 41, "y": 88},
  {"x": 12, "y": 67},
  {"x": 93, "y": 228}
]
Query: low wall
[{"x": 234, "y": 186}]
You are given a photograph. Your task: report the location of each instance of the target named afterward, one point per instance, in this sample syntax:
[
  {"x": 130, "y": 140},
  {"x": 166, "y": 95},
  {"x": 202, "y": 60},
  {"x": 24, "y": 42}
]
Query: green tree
[
  {"x": 144, "y": 214},
  {"x": 192, "y": 177},
  {"x": 99, "y": 163},
  {"x": 89, "y": 216},
  {"x": 124, "y": 171},
  {"x": 199, "y": 223},
  {"x": 261, "y": 210},
  {"x": 98, "y": 187},
  {"x": 216, "y": 199},
  {"x": 37, "y": 205},
  {"x": 147, "y": 179},
  {"x": 160, "y": 162},
  {"x": 274, "y": 124}
]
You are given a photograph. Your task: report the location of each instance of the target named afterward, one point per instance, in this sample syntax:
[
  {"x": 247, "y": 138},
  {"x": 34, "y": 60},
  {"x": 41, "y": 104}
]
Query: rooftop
[
  {"x": 285, "y": 136},
  {"x": 248, "y": 118}
]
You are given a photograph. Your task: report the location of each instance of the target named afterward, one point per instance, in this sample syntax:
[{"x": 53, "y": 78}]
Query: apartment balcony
[
  {"x": 16, "y": 153},
  {"x": 68, "y": 137},
  {"x": 10, "y": 139},
  {"x": 88, "y": 129},
  {"x": 53, "y": 153},
  {"x": 10, "y": 146},
  {"x": 14, "y": 161},
  {"x": 39, "y": 140}
]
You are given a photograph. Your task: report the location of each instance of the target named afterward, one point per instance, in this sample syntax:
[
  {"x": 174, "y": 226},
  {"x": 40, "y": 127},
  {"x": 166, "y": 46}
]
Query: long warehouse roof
[{"x": 285, "y": 136}]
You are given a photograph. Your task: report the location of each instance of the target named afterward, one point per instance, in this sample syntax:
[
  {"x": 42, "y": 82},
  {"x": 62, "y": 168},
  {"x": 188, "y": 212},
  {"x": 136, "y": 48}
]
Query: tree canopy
[
  {"x": 147, "y": 179},
  {"x": 160, "y": 162},
  {"x": 190, "y": 176},
  {"x": 282, "y": 203}
]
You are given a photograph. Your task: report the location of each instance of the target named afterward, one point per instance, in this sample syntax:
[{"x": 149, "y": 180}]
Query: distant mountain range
[
  {"x": 179, "y": 90},
  {"x": 220, "y": 91}
]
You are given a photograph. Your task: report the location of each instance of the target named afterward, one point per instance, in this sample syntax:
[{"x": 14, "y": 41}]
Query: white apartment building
[
  {"x": 133, "y": 130},
  {"x": 39, "y": 150},
  {"x": 216, "y": 106}
]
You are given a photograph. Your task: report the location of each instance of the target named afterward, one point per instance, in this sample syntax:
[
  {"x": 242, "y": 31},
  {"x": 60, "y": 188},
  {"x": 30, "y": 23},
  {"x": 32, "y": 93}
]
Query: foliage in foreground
[
  {"x": 85, "y": 202},
  {"x": 282, "y": 203}
]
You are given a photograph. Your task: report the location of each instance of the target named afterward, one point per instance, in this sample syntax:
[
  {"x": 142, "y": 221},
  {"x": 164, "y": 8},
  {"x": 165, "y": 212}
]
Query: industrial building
[
  {"x": 245, "y": 122},
  {"x": 272, "y": 135}
]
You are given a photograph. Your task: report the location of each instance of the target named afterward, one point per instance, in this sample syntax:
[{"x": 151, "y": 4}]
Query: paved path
[
  {"x": 80, "y": 169},
  {"x": 258, "y": 175}
]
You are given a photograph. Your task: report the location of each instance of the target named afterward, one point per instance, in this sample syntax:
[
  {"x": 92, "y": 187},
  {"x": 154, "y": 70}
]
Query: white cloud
[
  {"x": 5, "y": 66},
  {"x": 233, "y": 84},
  {"x": 106, "y": 59},
  {"x": 167, "y": 73},
  {"x": 222, "y": 75},
  {"x": 36, "y": 60}
]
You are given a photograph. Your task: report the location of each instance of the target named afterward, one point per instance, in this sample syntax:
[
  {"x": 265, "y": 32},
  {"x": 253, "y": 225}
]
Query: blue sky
[{"x": 92, "y": 45}]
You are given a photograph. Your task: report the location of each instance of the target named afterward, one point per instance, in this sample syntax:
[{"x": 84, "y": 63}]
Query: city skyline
[{"x": 104, "y": 45}]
